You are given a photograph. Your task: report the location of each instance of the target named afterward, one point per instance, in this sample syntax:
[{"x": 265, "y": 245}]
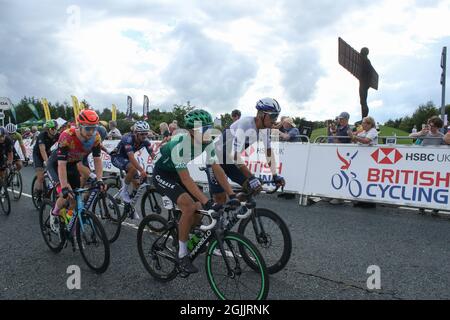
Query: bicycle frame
[{"x": 81, "y": 206}]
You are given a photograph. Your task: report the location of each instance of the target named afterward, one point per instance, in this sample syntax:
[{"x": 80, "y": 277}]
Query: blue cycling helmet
[
  {"x": 268, "y": 105},
  {"x": 2, "y": 131}
]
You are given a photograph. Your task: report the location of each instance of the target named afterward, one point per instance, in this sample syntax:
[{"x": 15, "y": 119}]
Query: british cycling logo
[{"x": 345, "y": 180}]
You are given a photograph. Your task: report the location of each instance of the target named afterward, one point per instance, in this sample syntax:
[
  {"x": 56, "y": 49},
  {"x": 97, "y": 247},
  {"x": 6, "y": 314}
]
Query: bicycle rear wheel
[
  {"x": 271, "y": 236},
  {"x": 108, "y": 212},
  {"x": 158, "y": 250},
  {"x": 93, "y": 242},
  {"x": 5, "y": 202},
  {"x": 240, "y": 281},
  {"x": 53, "y": 233}
]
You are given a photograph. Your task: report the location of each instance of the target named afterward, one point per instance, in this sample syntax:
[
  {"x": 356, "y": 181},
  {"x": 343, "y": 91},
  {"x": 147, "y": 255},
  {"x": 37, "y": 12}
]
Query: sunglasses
[
  {"x": 273, "y": 115},
  {"x": 90, "y": 128},
  {"x": 142, "y": 134}
]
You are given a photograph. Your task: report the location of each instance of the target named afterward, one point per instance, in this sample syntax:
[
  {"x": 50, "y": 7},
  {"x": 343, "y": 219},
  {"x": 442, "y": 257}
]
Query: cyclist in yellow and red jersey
[{"x": 73, "y": 145}]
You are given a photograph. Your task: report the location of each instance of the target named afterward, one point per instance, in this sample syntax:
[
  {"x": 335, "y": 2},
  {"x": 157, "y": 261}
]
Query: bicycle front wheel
[
  {"x": 52, "y": 228},
  {"x": 236, "y": 280},
  {"x": 152, "y": 203},
  {"x": 93, "y": 242},
  {"x": 15, "y": 185},
  {"x": 271, "y": 236},
  {"x": 5, "y": 202},
  {"x": 158, "y": 250},
  {"x": 35, "y": 197},
  {"x": 108, "y": 212}
]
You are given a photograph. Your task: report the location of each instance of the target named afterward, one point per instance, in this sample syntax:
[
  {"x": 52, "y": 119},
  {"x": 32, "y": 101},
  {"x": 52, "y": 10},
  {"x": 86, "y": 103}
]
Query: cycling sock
[{"x": 182, "y": 252}]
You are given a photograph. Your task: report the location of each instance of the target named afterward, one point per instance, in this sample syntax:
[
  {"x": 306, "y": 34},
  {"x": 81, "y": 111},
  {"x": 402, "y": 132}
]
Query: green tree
[
  {"x": 420, "y": 116},
  {"x": 226, "y": 120}
]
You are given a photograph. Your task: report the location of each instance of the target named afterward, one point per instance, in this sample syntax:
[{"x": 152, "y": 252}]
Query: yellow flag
[
  {"x": 114, "y": 112},
  {"x": 76, "y": 108},
  {"x": 46, "y": 109}
]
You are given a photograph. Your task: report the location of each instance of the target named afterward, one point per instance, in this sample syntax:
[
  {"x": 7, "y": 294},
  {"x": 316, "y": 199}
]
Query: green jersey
[
  {"x": 175, "y": 154},
  {"x": 16, "y": 137}
]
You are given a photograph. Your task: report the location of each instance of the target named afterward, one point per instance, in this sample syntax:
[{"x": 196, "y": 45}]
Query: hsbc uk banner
[
  {"x": 400, "y": 175},
  {"x": 291, "y": 163}
]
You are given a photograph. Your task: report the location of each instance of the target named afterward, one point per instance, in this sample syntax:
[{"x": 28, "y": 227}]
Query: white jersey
[{"x": 241, "y": 134}]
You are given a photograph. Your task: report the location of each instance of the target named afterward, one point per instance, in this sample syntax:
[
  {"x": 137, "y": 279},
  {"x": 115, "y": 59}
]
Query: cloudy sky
[{"x": 222, "y": 55}]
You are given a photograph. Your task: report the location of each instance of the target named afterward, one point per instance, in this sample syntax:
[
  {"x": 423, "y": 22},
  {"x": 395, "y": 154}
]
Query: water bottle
[
  {"x": 69, "y": 215},
  {"x": 192, "y": 242},
  {"x": 62, "y": 213},
  {"x": 49, "y": 184}
]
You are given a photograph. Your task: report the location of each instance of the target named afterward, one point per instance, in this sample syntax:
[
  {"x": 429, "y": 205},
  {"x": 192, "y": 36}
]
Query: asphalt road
[{"x": 333, "y": 247}]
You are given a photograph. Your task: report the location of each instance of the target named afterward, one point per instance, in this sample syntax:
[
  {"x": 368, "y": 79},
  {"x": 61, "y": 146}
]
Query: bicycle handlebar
[
  {"x": 244, "y": 216},
  {"x": 213, "y": 215}
]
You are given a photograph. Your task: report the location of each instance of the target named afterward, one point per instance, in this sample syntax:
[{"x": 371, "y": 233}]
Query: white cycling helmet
[
  {"x": 141, "y": 126},
  {"x": 11, "y": 128},
  {"x": 268, "y": 105}
]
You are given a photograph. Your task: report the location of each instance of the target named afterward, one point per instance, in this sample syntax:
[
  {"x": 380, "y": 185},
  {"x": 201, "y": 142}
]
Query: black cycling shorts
[
  {"x": 169, "y": 184},
  {"x": 232, "y": 171},
  {"x": 37, "y": 161},
  {"x": 73, "y": 176},
  {"x": 16, "y": 156}
]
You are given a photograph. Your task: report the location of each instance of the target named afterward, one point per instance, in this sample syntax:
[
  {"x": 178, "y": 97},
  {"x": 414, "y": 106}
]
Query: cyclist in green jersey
[{"x": 172, "y": 179}]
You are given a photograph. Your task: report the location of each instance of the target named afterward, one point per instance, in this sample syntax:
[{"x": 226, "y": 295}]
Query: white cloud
[{"x": 207, "y": 72}]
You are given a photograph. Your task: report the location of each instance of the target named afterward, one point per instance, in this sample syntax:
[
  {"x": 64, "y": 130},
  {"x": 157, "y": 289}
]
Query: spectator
[
  {"x": 114, "y": 133},
  {"x": 343, "y": 130},
  {"x": 27, "y": 133},
  {"x": 343, "y": 135},
  {"x": 331, "y": 129},
  {"x": 291, "y": 133},
  {"x": 235, "y": 115},
  {"x": 369, "y": 135},
  {"x": 164, "y": 130},
  {"x": 63, "y": 126},
  {"x": 279, "y": 125},
  {"x": 34, "y": 134},
  {"x": 172, "y": 128},
  {"x": 430, "y": 134},
  {"x": 447, "y": 138}
]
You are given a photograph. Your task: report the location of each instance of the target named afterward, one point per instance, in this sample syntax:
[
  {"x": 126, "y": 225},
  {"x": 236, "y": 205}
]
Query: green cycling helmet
[
  {"x": 51, "y": 124},
  {"x": 198, "y": 115}
]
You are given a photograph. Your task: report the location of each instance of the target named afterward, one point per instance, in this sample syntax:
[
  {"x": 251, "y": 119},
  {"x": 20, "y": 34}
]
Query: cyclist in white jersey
[{"x": 233, "y": 141}]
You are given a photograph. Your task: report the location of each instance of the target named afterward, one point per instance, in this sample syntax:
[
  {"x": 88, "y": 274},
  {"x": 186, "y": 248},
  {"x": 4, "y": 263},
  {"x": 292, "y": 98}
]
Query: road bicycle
[
  {"x": 83, "y": 227},
  {"x": 230, "y": 258}
]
